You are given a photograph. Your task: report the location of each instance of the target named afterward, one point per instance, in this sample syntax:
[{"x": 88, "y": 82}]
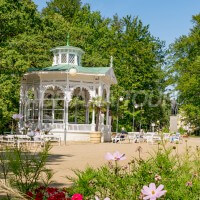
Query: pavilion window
[
  {"x": 36, "y": 110},
  {"x": 57, "y": 58},
  {"x": 97, "y": 91},
  {"x": 71, "y": 59},
  {"x": 63, "y": 58},
  {"x": 33, "y": 110},
  {"x": 78, "y": 60},
  {"x": 53, "y": 107},
  {"x": 58, "y": 110},
  {"x": 48, "y": 111}
]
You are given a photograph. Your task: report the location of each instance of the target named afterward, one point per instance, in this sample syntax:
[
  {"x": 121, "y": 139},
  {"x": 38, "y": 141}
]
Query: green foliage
[
  {"x": 78, "y": 106},
  {"x": 181, "y": 130},
  {"x": 185, "y": 59},
  {"x": 23, "y": 169},
  {"x": 27, "y": 36},
  {"x": 99, "y": 104},
  {"x": 174, "y": 172}
]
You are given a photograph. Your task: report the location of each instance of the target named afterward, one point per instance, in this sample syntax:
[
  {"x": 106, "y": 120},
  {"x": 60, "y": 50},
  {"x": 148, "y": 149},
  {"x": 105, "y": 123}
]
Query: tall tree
[
  {"x": 19, "y": 19},
  {"x": 138, "y": 56},
  {"x": 66, "y": 8},
  {"x": 185, "y": 58}
]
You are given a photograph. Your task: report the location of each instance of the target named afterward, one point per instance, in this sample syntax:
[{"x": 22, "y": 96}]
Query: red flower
[
  {"x": 30, "y": 194},
  {"x": 39, "y": 196},
  {"x": 77, "y": 197},
  {"x": 51, "y": 190},
  {"x": 57, "y": 196},
  {"x": 49, "y": 193}
]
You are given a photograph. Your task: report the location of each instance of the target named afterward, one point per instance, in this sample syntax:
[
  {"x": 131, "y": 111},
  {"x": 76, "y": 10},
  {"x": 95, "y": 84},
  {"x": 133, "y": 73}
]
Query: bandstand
[{"x": 58, "y": 97}]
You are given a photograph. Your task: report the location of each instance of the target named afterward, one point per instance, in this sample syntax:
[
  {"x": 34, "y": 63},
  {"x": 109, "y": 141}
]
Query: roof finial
[
  {"x": 68, "y": 39},
  {"x": 111, "y": 61}
]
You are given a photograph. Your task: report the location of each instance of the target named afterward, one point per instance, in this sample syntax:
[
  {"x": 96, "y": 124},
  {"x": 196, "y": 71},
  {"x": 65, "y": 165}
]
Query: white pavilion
[{"x": 48, "y": 95}]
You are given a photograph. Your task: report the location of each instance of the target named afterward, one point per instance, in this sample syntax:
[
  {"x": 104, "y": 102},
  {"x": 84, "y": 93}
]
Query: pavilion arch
[
  {"x": 79, "y": 105},
  {"x": 48, "y": 88},
  {"x": 31, "y": 93},
  {"x": 82, "y": 88},
  {"x": 31, "y": 105},
  {"x": 53, "y": 104},
  {"x": 104, "y": 94}
]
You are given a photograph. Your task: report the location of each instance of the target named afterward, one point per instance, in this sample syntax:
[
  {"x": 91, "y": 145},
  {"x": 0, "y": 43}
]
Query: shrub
[
  {"x": 180, "y": 175},
  {"x": 23, "y": 169},
  {"x": 181, "y": 130}
]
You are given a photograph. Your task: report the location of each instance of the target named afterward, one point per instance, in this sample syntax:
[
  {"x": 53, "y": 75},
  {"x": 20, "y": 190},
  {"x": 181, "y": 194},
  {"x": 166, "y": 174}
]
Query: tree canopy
[
  {"x": 185, "y": 68},
  {"x": 26, "y": 36}
]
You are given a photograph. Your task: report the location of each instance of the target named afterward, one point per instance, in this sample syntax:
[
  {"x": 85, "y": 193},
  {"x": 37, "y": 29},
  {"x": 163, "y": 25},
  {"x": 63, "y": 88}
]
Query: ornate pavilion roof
[{"x": 67, "y": 67}]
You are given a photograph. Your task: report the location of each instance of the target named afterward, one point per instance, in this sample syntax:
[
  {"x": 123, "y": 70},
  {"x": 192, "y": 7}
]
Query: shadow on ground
[{"x": 57, "y": 158}]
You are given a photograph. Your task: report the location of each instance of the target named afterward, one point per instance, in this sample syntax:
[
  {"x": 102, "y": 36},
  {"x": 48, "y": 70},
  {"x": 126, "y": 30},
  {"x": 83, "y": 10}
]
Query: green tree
[
  {"x": 99, "y": 105},
  {"x": 185, "y": 68},
  {"x": 138, "y": 56},
  {"x": 77, "y": 103}
]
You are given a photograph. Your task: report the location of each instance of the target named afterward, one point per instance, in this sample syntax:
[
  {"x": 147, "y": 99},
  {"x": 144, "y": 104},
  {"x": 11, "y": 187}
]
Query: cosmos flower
[
  {"x": 116, "y": 156},
  {"x": 151, "y": 192},
  {"x": 17, "y": 116}
]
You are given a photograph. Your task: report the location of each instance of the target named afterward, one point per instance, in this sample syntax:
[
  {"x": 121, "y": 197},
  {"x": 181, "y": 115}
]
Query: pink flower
[
  {"x": 152, "y": 193},
  {"x": 17, "y": 116},
  {"x": 115, "y": 156},
  {"x": 77, "y": 197}
]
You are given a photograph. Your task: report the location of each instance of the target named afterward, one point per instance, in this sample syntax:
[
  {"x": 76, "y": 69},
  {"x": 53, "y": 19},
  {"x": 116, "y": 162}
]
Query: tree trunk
[
  {"x": 97, "y": 119},
  {"x": 75, "y": 114}
]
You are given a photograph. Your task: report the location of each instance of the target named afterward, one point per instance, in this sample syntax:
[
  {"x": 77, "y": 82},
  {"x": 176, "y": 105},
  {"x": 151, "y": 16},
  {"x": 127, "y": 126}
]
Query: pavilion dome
[{"x": 67, "y": 55}]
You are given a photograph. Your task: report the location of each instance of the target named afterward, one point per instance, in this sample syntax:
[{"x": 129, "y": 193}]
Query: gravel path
[{"x": 64, "y": 159}]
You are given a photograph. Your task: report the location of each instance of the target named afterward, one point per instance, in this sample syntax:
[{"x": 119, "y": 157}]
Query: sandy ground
[{"x": 63, "y": 159}]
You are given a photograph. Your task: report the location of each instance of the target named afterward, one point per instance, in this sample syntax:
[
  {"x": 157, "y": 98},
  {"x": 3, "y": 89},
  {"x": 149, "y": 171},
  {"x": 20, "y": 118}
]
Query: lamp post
[
  {"x": 134, "y": 107},
  {"x": 119, "y": 100},
  {"x": 141, "y": 105},
  {"x": 153, "y": 125},
  {"x": 158, "y": 122},
  {"x": 72, "y": 72}
]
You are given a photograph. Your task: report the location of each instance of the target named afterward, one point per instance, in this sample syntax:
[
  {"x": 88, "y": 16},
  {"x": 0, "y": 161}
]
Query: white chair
[
  {"x": 52, "y": 138},
  {"x": 131, "y": 137},
  {"x": 118, "y": 138},
  {"x": 148, "y": 136}
]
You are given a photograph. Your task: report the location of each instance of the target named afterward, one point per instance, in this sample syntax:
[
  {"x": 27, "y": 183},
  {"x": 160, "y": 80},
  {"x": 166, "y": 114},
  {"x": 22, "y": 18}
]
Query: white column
[
  {"x": 59, "y": 62},
  {"x": 39, "y": 113},
  {"x": 107, "y": 114},
  {"x": 67, "y": 99},
  {"x": 21, "y": 106},
  {"x": 66, "y": 114},
  {"x": 66, "y": 103},
  {"x": 39, "y": 109},
  {"x": 100, "y": 90},
  {"x": 25, "y": 105},
  {"x": 53, "y": 112},
  {"x": 87, "y": 114},
  {"x": 93, "y": 119},
  {"x": 41, "y": 102},
  {"x": 108, "y": 105}
]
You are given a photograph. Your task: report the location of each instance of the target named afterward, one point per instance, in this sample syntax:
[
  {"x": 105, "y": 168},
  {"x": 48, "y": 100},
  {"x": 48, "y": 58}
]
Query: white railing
[
  {"x": 53, "y": 126},
  {"x": 77, "y": 127},
  {"x": 80, "y": 127}
]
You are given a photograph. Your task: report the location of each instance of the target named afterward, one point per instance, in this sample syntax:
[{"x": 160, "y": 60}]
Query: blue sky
[{"x": 168, "y": 19}]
